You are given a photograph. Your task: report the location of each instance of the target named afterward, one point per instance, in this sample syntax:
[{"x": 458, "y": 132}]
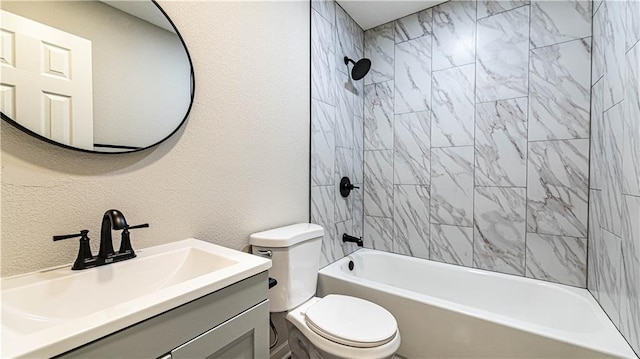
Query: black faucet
[
  {"x": 356, "y": 240},
  {"x": 112, "y": 220}
]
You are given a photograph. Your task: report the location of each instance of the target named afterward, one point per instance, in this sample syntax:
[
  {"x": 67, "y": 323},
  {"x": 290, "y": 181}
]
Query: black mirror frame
[{"x": 186, "y": 115}]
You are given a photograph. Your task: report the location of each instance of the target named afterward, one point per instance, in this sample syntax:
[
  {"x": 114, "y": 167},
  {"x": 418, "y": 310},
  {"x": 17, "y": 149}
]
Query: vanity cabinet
[{"x": 230, "y": 323}]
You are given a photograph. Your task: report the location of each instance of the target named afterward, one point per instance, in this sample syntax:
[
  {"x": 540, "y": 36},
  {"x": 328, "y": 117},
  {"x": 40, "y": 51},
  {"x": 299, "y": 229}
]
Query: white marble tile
[
  {"x": 631, "y": 125},
  {"x": 630, "y": 277},
  {"x": 358, "y": 209},
  {"x": 358, "y": 97},
  {"x": 501, "y": 143},
  {"x": 596, "y": 167},
  {"x": 499, "y": 229},
  {"x": 598, "y": 44},
  {"x": 413, "y": 26},
  {"x": 452, "y": 244},
  {"x": 557, "y": 259},
  {"x": 322, "y": 143},
  {"x": 553, "y": 22},
  {"x": 609, "y": 270},
  {"x": 378, "y": 233},
  {"x": 378, "y": 116},
  {"x": 326, "y": 8},
  {"x": 612, "y": 191},
  {"x": 559, "y": 91},
  {"x": 378, "y": 183},
  {"x": 632, "y": 23},
  {"x": 344, "y": 116},
  {"x": 358, "y": 153},
  {"x": 349, "y": 40},
  {"x": 614, "y": 45},
  {"x": 412, "y": 148},
  {"x": 379, "y": 47},
  {"x": 557, "y": 187},
  {"x": 413, "y": 75},
  {"x": 411, "y": 220},
  {"x": 593, "y": 242},
  {"x": 344, "y": 167},
  {"x": 452, "y": 186},
  {"x": 322, "y": 55},
  {"x": 453, "y": 107},
  {"x": 454, "y": 33},
  {"x": 502, "y": 59},
  {"x": 322, "y": 213},
  {"x": 493, "y": 7}
]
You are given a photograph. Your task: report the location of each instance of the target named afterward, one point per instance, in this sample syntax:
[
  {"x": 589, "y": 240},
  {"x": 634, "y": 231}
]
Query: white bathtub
[{"x": 451, "y": 311}]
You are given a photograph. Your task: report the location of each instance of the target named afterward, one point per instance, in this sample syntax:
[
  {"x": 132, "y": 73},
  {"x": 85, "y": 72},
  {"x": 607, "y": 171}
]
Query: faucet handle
[
  {"x": 84, "y": 252},
  {"x": 144, "y": 225},
  {"x": 125, "y": 242},
  {"x": 83, "y": 233}
]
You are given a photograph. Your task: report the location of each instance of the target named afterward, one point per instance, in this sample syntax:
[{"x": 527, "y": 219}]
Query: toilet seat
[
  {"x": 297, "y": 317},
  {"x": 351, "y": 321}
]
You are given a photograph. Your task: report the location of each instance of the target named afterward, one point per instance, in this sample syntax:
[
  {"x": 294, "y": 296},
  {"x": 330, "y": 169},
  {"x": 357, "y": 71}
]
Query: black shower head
[{"x": 360, "y": 68}]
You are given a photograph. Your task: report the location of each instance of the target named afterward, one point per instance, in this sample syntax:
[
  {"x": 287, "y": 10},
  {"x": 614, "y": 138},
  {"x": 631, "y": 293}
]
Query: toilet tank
[{"x": 295, "y": 257}]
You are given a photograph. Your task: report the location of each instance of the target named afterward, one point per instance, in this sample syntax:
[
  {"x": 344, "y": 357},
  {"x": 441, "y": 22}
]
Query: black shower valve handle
[
  {"x": 83, "y": 233},
  {"x": 346, "y": 186}
]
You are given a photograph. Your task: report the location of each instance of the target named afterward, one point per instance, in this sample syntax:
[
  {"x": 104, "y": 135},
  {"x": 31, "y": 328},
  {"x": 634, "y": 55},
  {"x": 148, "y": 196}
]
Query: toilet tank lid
[{"x": 286, "y": 236}]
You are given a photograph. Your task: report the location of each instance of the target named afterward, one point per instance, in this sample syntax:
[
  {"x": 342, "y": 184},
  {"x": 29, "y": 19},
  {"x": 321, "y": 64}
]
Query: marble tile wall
[
  {"x": 476, "y": 136},
  {"x": 499, "y": 135},
  {"x": 614, "y": 190},
  {"x": 337, "y": 128}
]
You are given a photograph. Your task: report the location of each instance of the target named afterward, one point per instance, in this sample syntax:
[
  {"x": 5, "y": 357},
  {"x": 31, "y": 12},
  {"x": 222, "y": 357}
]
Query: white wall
[{"x": 238, "y": 166}]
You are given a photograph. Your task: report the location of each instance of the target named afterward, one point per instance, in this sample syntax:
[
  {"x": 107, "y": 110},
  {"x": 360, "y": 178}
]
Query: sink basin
[{"x": 48, "y": 312}]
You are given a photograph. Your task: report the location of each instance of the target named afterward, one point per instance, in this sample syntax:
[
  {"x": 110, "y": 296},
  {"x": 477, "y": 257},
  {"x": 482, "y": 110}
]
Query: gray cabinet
[
  {"x": 230, "y": 323},
  {"x": 236, "y": 338}
]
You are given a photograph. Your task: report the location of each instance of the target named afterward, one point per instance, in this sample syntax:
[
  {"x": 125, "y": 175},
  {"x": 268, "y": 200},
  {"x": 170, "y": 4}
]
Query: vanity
[{"x": 184, "y": 299}]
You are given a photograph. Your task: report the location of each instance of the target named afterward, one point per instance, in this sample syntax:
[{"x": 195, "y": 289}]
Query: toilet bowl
[{"x": 335, "y": 326}]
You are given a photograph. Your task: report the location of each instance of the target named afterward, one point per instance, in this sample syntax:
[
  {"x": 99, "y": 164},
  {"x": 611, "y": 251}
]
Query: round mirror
[{"x": 96, "y": 76}]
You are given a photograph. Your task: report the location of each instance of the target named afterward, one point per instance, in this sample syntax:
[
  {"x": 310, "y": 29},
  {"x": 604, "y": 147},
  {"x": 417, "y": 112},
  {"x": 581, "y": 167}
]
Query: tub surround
[
  {"x": 614, "y": 190},
  {"x": 337, "y": 139},
  {"x": 482, "y": 159}
]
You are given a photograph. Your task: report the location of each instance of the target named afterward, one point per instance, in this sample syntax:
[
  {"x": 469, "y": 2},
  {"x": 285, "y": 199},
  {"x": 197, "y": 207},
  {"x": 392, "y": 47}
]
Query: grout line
[
  {"x": 590, "y": 164},
  {"x": 556, "y": 235},
  {"x": 451, "y": 67},
  {"x": 475, "y": 124},
  {"x": 504, "y": 99},
  {"x": 431, "y": 116},
  {"x": 463, "y": 146},
  {"x": 526, "y": 178},
  {"x": 555, "y": 140},
  {"x": 498, "y": 13},
  {"x": 555, "y": 43}
]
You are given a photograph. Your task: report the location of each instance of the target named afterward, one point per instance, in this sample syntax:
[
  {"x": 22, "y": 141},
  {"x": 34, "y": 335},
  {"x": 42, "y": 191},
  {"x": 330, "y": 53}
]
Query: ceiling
[{"x": 371, "y": 13}]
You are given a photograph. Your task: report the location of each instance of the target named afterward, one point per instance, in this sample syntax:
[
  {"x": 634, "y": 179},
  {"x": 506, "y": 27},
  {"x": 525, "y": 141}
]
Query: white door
[{"x": 46, "y": 80}]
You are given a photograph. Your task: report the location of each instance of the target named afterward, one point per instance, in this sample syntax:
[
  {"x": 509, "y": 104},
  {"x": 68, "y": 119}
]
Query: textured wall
[
  {"x": 236, "y": 167},
  {"x": 614, "y": 195},
  {"x": 477, "y": 136},
  {"x": 336, "y": 127}
]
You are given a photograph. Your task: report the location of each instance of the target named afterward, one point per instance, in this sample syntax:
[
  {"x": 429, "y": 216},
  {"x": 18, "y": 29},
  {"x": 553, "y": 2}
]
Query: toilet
[{"x": 335, "y": 326}]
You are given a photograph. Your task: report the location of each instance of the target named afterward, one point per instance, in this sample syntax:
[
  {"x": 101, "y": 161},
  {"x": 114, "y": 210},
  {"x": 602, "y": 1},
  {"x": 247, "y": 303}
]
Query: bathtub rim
[{"x": 614, "y": 343}]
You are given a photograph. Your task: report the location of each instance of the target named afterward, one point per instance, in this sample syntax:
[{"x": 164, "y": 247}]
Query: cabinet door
[{"x": 243, "y": 336}]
